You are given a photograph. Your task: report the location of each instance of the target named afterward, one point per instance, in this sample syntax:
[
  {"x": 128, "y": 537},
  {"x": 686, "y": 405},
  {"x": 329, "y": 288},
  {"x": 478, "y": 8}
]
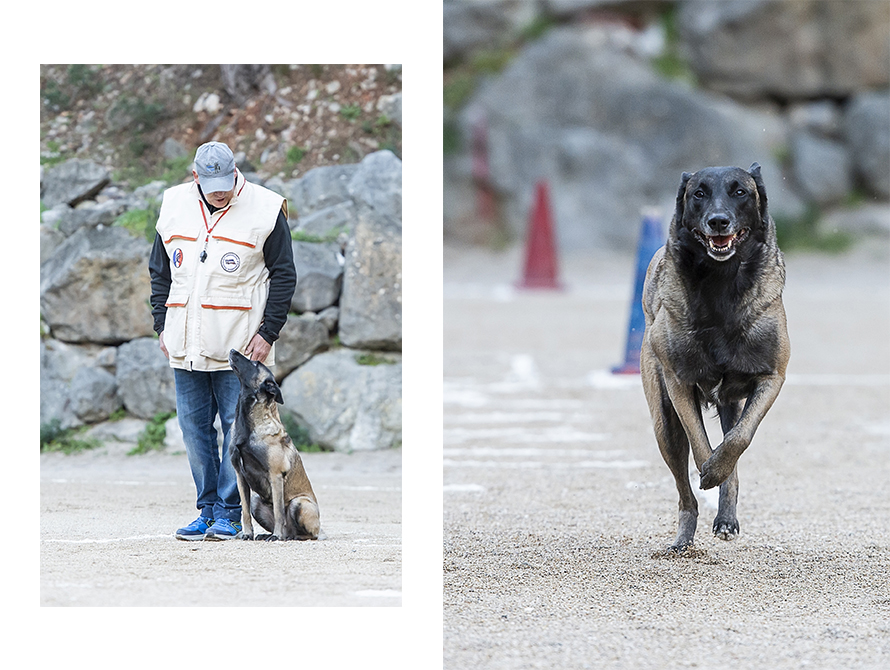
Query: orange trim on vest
[
  {"x": 180, "y": 237},
  {"x": 244, "y": 309},
  {"x": 174, "y": 304},
  {"x": 229, "y": 239}
]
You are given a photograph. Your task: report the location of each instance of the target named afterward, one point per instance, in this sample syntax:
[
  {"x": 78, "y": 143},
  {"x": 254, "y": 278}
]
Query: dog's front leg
[
  {"x": 685, "y": 404},
  {"x": 246, "y": 521},
  {"x": 721, "y": 463},
  {"x": 277, "y": 482}
]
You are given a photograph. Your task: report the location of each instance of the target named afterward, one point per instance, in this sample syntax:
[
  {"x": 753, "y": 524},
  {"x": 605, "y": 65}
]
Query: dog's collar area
[{"x": 721, "y": 247}]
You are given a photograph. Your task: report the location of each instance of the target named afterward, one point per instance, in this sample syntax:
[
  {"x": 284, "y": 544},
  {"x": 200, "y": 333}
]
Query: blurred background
[{"x": 610, "y": 100}]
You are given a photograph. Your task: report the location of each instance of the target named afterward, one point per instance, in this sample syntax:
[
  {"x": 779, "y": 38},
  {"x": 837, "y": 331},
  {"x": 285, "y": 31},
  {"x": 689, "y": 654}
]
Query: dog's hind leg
[
  {"x": 262, "y": 512},
  {"x": 726, "y": 523},
  {"x": 303, "y": 519}
]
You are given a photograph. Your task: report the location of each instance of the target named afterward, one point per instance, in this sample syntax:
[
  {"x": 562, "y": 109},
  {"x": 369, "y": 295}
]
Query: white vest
[{"x": 215, "y": 305}]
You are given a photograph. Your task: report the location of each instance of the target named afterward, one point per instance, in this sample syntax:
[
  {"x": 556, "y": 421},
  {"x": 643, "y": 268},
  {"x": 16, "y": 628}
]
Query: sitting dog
[
  {"x": 715, "y": 333},
  {"x": 266, "y": 462}
]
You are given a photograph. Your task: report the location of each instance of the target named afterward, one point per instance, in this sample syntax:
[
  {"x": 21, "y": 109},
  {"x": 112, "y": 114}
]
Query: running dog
[
  {"x": 715, "y": 334},
  {"x": 273, "y": 485}
]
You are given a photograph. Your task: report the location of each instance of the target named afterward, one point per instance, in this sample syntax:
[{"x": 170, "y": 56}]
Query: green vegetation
[
  {"x": 330, "y": 236},
  {"x": 371, "y": 358},
  {"x": 803, "y": 234},
  {"x": 299, "y": 435},
  {"x": 671, "y": 64},
  {"x": 54, "y": 438},
  {"x": 350, "y": 112},
  {"x": 152, "y": 438},
  {"x": 294, "y": 156},
  {"x": 140, "y": 222}
]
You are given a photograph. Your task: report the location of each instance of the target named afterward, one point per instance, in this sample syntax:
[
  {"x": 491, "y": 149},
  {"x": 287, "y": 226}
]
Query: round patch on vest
[
  {"x": 177, "y": 258},
  {"x": 230, "y": 262}
]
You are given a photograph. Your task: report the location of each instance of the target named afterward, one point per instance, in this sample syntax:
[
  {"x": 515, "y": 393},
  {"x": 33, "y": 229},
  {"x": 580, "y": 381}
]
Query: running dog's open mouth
[{"x": 721, "y": 247}]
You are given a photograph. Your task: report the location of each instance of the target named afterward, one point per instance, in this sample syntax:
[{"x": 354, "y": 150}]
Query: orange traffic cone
[{"x": 540, "y": 250}]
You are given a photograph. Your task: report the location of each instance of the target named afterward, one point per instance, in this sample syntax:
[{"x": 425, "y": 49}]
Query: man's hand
[
  {"x": 258, "y": 349},
  {"x": 163, "y": 346}
]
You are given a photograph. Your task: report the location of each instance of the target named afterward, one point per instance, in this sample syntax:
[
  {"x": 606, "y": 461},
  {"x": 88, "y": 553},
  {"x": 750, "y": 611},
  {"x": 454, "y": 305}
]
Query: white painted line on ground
[
  {"x": 530, "y": 451},
  {"x": 522, "y": 465},
  {"x": 558, "y": 434}
]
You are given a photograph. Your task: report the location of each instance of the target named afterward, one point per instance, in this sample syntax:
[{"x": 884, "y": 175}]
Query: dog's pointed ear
[
  {"x": 681, "y": 197},
  {"x": 754, "y": 171},
  {"x": 272, "y": 388}
]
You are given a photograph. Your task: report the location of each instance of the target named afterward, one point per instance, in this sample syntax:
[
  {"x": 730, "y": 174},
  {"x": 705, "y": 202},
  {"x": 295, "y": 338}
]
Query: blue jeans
[{"x": 199, "y": 397}]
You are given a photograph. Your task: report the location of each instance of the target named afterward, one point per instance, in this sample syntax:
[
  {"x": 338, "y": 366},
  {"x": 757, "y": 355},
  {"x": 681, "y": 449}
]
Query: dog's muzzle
[{"x": 721, "y": 247}]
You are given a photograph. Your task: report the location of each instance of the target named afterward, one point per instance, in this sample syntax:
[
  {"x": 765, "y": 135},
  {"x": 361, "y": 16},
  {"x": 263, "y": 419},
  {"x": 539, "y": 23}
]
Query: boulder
[
  {"x": 610, "y": 137},
  {"x": 93, "y": 395},
  {"x": 145, "y": 379},
  {"x": 787, "y": 50},
  {"x": 867, "y": 129},
  {"x": 821, "y": 168},
  {"x": 300, "y": 339},
  {"x": 90, "y": 214},
  {"x": 320, "y": 275},
  {"x": 50, "y": 239},
  {"x": 72, "y": 182},
  {"x": 328, "y": 221},
  {"x": 96, "y": 287},
  {"x": 319, "y": 188},
  {"x": 347, "y": 406},
  {"x": 371, "y": 301},
  {"x": 377, "y": 183}
]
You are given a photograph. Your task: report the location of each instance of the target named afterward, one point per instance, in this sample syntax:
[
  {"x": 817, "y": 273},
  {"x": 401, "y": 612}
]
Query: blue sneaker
[
  {"x": 195, "y": 530},
  {"x": 223, "y": 529}
]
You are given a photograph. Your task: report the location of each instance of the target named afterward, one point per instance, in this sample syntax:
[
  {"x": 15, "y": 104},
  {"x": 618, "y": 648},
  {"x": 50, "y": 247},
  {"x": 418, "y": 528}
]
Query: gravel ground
[
  {"x": 557, "y": 505},
  {"x": 107, "y": 522}
]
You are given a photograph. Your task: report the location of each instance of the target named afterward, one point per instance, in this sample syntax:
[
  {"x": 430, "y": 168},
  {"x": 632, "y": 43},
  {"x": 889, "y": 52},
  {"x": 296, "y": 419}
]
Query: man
[{"x": 222, "y": 277}]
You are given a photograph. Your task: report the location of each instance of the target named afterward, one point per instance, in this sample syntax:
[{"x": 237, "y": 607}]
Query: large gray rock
[
  {"x": 72, "y": 182},
  {"x": 377, "y": 183},
  {"x": 145, "y": 379},
  {"x": 867, "y": 127},
  {"x": 60, "y": 364},
  {"x": 344, "y": 405},
  {"x": 371, "y": 301},
  {"x": 320, "y": 275},
  {"x": 93, "y": 395},
  {"x": 301, "y": 338},
  {"x": 96, "y": 286},
  {"x": 319, "y": 188},
  {"x": 821, "y": 168},
  {"x": 90, "y": 214},
  {"x": 329, "y": 221},
  {"x": 610, "y": 137},
  {"x": 789, "y": 50}
]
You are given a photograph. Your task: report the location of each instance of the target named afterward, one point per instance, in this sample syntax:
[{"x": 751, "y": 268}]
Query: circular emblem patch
[
  {"x": 230, "y": 262},
  {"x": 177, "y": 258}
]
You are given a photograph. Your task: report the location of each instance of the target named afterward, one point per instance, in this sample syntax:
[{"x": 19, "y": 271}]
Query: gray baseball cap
[{"x": 215, "y": 165}]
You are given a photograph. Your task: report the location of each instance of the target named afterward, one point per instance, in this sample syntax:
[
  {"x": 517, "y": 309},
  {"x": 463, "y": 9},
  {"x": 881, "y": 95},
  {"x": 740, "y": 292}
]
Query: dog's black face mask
[
  {"x": 721, "y": 212},
  {"x": 257, "y": 381}
]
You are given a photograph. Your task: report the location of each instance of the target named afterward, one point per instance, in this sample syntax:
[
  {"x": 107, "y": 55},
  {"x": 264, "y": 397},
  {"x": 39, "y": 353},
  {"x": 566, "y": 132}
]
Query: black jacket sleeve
[
  {"x": 159, "y": 270},
  {"x": 279, "y": 254}
]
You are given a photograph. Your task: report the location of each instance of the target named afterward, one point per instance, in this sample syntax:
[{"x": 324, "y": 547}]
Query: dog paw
[
  {"x": 715, "y": 470},
  {"x": 244, "y": 536},
  {"x": 726, "y": 529},
  {"x": 271, "y": 538}
]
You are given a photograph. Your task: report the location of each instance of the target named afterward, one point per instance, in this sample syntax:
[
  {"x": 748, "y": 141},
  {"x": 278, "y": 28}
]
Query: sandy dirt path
[
  {"x": 557, "y": 504},
  {"x": 106, "y": 537}
]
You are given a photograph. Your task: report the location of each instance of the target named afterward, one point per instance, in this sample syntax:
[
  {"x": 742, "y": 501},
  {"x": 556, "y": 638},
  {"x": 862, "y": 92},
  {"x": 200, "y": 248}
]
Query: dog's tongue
[{"x": 722, "y": 241}]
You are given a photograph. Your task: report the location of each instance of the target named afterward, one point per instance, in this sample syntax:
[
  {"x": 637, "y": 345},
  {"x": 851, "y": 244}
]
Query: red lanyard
[{"x": 203, "y": 256}]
